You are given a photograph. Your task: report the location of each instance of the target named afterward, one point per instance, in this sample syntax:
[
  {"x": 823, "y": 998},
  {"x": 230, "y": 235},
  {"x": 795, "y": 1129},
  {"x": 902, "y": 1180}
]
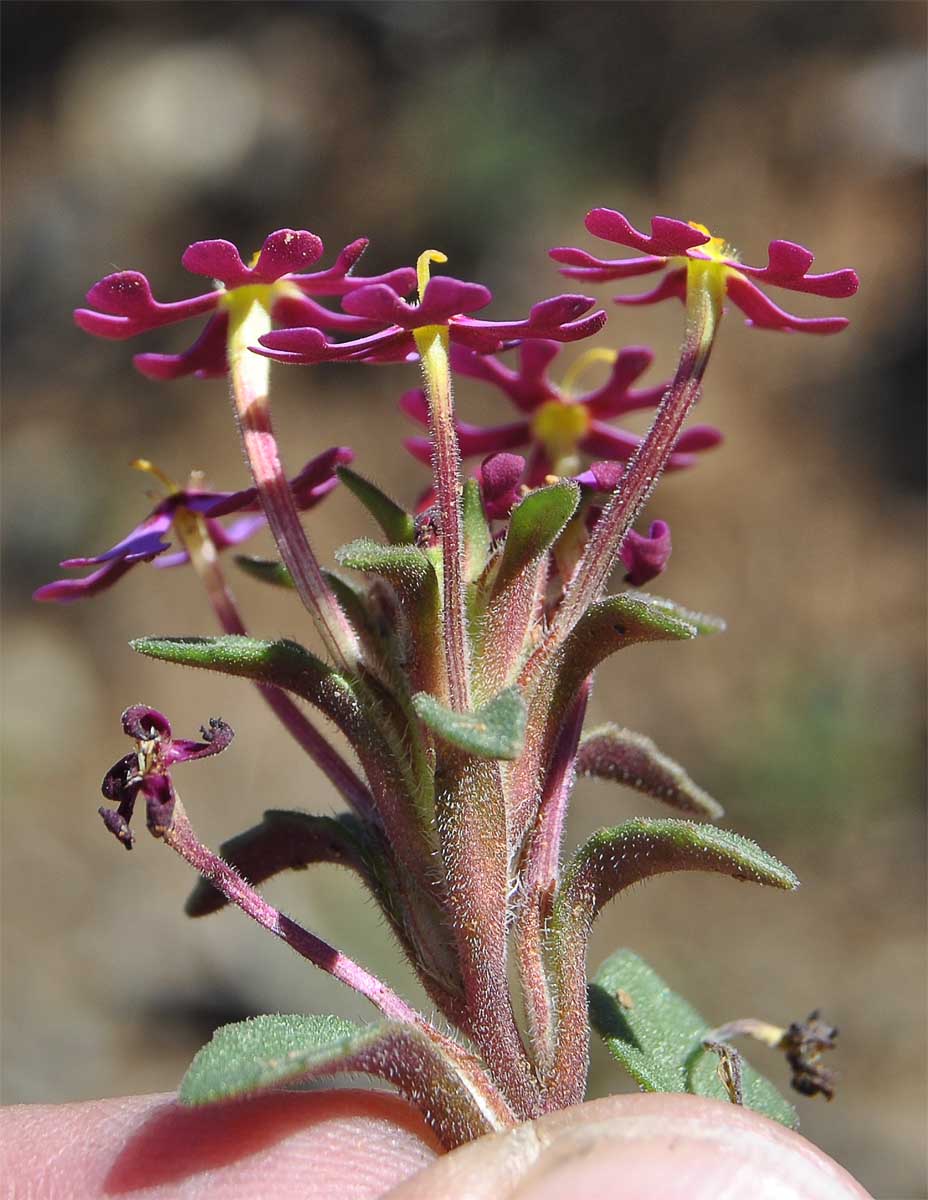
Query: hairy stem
[
  {"x": 703, "y": 310},
  {"x": 182, "y": 838},
  {"x": 249, "y": 373},
  {"x": 432, "y": 341},
  {"x": 540, "y": 873},
  {"x": 191, "y": 531}
]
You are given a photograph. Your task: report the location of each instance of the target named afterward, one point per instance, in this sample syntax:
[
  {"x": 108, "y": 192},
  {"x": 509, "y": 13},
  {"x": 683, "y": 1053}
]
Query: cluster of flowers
[{"x": 460, "y": 675}]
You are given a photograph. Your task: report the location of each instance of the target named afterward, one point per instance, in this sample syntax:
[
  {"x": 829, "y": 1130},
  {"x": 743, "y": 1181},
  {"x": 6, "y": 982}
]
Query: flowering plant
[{"x": 460, "y": 650}]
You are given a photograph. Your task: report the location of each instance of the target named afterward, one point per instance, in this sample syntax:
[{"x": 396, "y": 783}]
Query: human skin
[{"x": 355, "y": 1145}]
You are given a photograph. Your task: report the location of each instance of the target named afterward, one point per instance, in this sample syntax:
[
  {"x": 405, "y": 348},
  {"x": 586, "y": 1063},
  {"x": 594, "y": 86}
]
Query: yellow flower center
[
  {"x": 560, "y": 427},
  {"x": 716, "y": 249}
]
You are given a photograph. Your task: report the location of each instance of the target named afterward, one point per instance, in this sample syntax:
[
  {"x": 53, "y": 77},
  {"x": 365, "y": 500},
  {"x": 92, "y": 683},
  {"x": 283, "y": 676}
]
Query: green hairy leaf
[
  {"x": 535, "y": 523},
  {"x": 265, "y": 570},
  {"x": 633, "y": 760},
  {"x": 274, "y": 1051},
  {"x": 282, "y": 662},
  {"x": 477, "y": 540},
  {"x": 657, "y": 1036},
  {"x": 396, "y": 523},
  {"x": 495, "y": 730},
  {"x": 613, "y": 859}
]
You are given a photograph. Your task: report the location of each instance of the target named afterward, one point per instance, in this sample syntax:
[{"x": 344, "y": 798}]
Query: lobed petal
[
  {"x": 788, "y": 265},
  {"x": 587, "y": 267},
  {"x": 217, "y": 259},
  {"x": 337, "y": 280},
  {"x": 608, "y": 442},
  {"x": 144, "y": 542},
  {"x": 557, "y": 318},
  {"x": 123, "y": 306},
  {"x": 301, "y": 311},
  {"x": 66, "y": 591},
  {"x": 473, "y": 439},
  {"x": 285, "y": 252},
  {"x": 672, "y": 286},
  {"x": 699, "y": 437},
  {"x": 616, "y": 395},
  {"x": 414, "y": 404},
  {"x": 206, "y": 358},
  {"x": 668, "y": 237},
  {"x": 143, "y": 723},
  {"x": 217, "y": 736},
  {"x": 314, "y": 481},
  {"x": 305, "y": 346},
  {"x": 764, "y": 314},
  {"x": 444, "y": 298},
  {"x": 601, "y": 476}
]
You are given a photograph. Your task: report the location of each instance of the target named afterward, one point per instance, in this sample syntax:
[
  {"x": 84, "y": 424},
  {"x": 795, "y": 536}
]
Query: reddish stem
[
  {"x": 643, "y": 471},
  {"x": 185, "y": 842},
  {"x": 432, "y": 342},
  {"x": 540, "y": 873},
  {"x": 249, "y": 383},
  {"x": 191, "y": 531}
]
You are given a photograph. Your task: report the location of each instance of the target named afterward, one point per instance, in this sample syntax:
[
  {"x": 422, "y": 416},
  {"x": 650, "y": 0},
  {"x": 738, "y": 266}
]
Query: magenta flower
[
  {"x": 502, "y": 480},
  {"x": 445, "y": 303},
  {"x": 147, "y": 769},
  {"x": 123, "y": 305},
  {"x": 501, "y": 477},
  {"x": 558, "y": 425},
  {"x": 672, "y": 244},
  {"x": 146, "y": 541},
  {"x": 645, "y": 556}
]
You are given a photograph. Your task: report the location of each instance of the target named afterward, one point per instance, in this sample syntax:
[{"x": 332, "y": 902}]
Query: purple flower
[
  {"x": 122, "y": 304},
  {"x": 146, "y": 541},
  {"x": 147, "y": 769},
  {"x": 445, "y": 302},
  {"x": 502, "y": 485},
  {"x": 500, "y": 478},
  {"x": 671, "y": 244},
  {"x": 557, "y": 424},
  {"x": 644, "y": 556}
]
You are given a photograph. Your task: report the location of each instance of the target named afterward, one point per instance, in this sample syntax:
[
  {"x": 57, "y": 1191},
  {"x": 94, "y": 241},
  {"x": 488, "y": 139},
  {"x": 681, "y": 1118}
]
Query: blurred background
[{"x": 488, "y": 130}]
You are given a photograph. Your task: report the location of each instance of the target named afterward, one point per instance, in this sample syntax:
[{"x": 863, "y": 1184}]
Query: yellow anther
[
  {"x": 423, "y": 265},
  {"x": 253, "y": 261},
  {"x": 143, "y": 464},
  {"x": 580, "y": 366}
]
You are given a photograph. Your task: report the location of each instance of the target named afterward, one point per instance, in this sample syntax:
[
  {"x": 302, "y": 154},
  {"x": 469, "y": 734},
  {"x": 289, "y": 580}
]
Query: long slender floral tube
[
  {"x": 182, "y": 838},
  {"x": 433, "y": 344},
  {"x": 249, "y": 319},
  {"x": 190, "y": 529},
  {"x": 704, "y": 296}
]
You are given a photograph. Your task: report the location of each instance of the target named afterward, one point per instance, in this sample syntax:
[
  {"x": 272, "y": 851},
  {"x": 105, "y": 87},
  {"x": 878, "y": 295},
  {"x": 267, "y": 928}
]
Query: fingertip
[{"x": 667, "y": 1146}]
